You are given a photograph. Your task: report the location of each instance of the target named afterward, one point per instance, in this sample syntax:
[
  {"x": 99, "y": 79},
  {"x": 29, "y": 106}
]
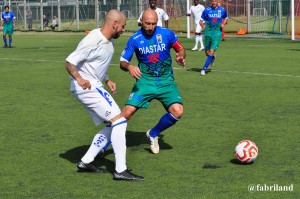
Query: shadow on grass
[
  {"x": 237, "y": 162},
  {"x": 133, "y": 139},
  {"x": 198, "y": 70}
]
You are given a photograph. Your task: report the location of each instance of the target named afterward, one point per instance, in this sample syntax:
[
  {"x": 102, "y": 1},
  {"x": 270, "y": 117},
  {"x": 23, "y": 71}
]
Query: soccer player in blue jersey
[
  {"x": 212, "y": 20},
  {"x": 8, "y": 22},
  {"x": 154, "y": 74}
]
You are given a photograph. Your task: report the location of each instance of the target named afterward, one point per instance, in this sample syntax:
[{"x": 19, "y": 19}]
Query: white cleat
[
  {"x": 202, "y": 72},
  {"x": 153, "y": 143},
  {"x": 194, "y": 49},
  {"x": 201, "y": 49}
]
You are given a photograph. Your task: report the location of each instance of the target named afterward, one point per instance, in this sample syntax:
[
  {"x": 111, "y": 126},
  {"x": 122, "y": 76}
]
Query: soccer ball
[{"x": 246, "y": 151}]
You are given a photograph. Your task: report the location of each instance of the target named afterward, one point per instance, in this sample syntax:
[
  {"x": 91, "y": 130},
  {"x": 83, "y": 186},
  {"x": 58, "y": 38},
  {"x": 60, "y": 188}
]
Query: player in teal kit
[
  {"x": 8, "y": 22},
  {"x": 212, "y": 20},
  {"x": 154, "y": 74}
]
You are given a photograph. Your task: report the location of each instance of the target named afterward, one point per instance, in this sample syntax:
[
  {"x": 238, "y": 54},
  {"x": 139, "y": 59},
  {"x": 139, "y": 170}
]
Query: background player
[
  {"x": 8, "y": 22},
  {"x": 222, "y": 29},
  {"x": 211, "y": 23},
  {"x": 196, "y": 10},
  {"x": 162, "y": 15},
  {"x": 87, "y": 66},
  {"x": 154, "y": 74}
]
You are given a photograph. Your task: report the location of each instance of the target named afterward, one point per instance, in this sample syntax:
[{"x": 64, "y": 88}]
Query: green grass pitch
[{"x": 252, "y": 92}]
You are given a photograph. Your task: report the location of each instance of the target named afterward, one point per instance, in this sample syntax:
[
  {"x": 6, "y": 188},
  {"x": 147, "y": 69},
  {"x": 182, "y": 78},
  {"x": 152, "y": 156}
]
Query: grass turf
[{"x": 251, "y": 93}]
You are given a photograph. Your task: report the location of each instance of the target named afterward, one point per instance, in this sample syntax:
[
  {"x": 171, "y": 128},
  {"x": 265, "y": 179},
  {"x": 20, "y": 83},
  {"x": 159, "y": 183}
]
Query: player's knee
[
  {"x": 128, "y": 112},
  {"x": 176, "y": 110}
]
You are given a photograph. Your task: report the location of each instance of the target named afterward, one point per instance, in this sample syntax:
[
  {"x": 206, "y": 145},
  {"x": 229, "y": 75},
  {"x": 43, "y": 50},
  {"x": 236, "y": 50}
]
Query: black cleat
[
  {"x": 82, "y": 167},
  {"x": 127, "y": 175},
  {"x": 5, "y": 46}
]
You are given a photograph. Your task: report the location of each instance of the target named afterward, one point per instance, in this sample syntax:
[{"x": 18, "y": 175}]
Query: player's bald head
[
  {"x": 149, "y": 15},
  {"x": 114, "y": 15}
]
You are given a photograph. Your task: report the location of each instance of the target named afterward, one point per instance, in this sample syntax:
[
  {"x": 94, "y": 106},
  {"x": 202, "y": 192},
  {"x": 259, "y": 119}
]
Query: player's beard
[
  {"x": 152, "y": 6},
  {"x": 116, "y": 35}
]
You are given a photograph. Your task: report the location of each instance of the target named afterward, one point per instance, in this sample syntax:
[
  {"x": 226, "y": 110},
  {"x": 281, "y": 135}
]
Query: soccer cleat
[
  {"x": 127, "y": 175},
  {"x": 10, "y": 46},
  {"x": 101, "y": 154},
  {"x": 202, "y": 72},
  {"x": 153, "y": 143},
  {"x": 201, "y": 49},
  {"x": 82, "y": 167},
  {"x": 5, "y": 46},
  {"x": 194, "y": 49}
]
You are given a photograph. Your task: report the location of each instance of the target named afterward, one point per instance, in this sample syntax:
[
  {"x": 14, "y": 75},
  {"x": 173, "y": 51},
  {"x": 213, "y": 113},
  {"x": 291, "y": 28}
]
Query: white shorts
[
  {"x": 198, "y": 28},
  {"x": 98, "y": 103}
]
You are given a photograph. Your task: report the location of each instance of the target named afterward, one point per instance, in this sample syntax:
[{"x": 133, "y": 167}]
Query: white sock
[
  {"x": 118, "y": 141},
  {"x": 201, "y": 41},
  {"x": 197, "y": 40},
  {"x": 98, "y": 143}
]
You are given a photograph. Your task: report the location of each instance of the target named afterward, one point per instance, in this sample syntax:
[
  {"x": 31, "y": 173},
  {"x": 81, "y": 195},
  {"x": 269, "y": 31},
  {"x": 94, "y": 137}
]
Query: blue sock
[
  {"x": 165, "y": 122},
  {"x": 10, "y": 42},
  {"x": 5, "y": 41},
  {"x": 107, "y": 145},
  {"x": 208, "y": 61}
]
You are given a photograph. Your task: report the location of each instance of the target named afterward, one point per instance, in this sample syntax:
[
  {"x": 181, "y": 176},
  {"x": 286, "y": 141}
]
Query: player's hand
[
  {"x": 84, "y": 83},
  {"x": 180, "y": 60},
  {"x": 135, "y": 72},
  {"x": 112, "y": 85}
]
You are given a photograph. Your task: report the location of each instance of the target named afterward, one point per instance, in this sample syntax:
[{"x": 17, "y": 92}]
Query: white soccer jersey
[
  {"x": 92, "y": 58},
  {"x": 162, "y": 15},
  {"x": 196, "y": 11}
]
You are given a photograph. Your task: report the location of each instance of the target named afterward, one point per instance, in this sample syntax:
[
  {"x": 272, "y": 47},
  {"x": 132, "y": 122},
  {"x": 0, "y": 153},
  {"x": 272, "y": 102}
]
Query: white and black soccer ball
[{"x": 246, "y": 151}]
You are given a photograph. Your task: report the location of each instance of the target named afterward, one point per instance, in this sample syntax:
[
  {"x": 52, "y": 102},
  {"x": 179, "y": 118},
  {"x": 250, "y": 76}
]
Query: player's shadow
[
  {"x": 293, "y": 49},
  {"x": 134, "y": 140},
  {"x": 198, "y": 70}
]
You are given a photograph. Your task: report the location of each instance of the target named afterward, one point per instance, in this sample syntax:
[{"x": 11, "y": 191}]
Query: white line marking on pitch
[
  {"x": 238, "y": 72},
  {"x": 251, "y": 73}
]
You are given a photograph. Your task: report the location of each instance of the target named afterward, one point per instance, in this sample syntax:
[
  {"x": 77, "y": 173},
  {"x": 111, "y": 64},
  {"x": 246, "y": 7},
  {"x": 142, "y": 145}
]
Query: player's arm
[
  {"x": 224, "y": 22},
  {"x": 134, "y": 71},
  {"x": 71, "y": 68},
  {"x": 1, "y": 26},
  {"x": 15, "y": 21},
  {"x": 180, "y": 53},
  {"x": 202, "y": 24},
  {"x": 112, "y": 85}
]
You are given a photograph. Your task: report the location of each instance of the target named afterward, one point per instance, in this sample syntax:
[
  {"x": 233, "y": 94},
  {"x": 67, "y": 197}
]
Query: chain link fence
[{"x": 271, "y": 16}]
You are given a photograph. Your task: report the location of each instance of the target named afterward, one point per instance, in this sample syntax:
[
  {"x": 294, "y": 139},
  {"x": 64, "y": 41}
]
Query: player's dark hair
[{"x": 6, "y": 7}]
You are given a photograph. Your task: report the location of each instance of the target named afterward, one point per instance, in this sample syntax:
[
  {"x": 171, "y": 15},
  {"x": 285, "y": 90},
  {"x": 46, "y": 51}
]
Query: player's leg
[
  {"x": 196, "y": 43},
  {"x": 167, "y": 120},
  {"x": 99, "y": 141},
  {"x": 223, "y": 34},
  {"x": 101, "y": 110},
  {"x": 9, "y": 41},
  {"x": 209, "y": 59},
  {"x": 171, "y": 100},
  {"x": 4, "y": 40},
  {"x": 199, "y": 35},
  {"x": 214, "y": 44},
  {"x": 209, "y": 56}
]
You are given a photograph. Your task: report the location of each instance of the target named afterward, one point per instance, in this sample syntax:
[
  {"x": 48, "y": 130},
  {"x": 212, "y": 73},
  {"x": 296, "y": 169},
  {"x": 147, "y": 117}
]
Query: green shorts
[
  {"x": 212, "y": 39},
  {"x": 8, "y": 29},
  {"x": 144, "y": 91}
]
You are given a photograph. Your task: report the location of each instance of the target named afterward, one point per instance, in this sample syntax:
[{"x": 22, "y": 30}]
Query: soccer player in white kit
[
  {"x": 196, "y": 10},
  {"x": 161, "y": 14},
  {"x": 88, "y": 66}
]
